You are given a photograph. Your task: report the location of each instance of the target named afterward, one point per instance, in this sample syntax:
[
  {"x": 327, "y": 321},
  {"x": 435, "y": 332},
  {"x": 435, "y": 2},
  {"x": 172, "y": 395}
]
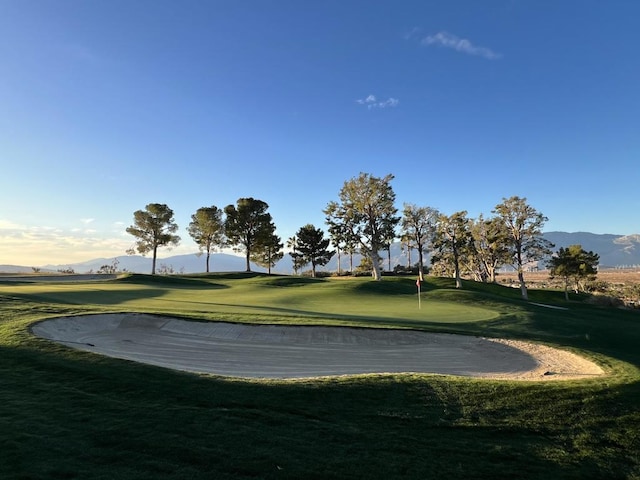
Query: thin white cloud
[
  {"x": 447, "y": 40},
  {"x": 37, "y": 246},
  {"x": 391, "y": 102},
  {"x": 24, "y": 245},
  {"x": 9, "y": 225},
  {"x": 87, "y": 221},
  {"x": 371, "y": 102},
  {"x": 411, "y": 34}
]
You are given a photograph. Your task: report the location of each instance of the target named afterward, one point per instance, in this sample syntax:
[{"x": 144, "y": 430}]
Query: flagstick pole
[{"x": 419, "y": 304}]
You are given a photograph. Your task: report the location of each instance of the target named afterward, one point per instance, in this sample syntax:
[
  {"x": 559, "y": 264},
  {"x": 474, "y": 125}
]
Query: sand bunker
[{"x": 275, "y": 351}]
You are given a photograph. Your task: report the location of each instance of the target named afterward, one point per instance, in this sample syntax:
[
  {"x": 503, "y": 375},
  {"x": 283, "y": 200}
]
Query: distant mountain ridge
[{"x": 614, "y": 250}]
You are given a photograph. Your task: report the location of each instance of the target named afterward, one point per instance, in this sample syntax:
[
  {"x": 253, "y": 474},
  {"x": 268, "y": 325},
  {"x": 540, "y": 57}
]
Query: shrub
[{"x": 605, "y": 301}]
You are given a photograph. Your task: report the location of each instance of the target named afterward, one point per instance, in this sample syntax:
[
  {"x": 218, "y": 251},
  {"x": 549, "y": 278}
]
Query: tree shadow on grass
[
  {"x": 94, "y": 296},
  {"x": 174, "y": 282},
  {"x": 291, "y": 281},
  {"x": 60, "y": 400}
]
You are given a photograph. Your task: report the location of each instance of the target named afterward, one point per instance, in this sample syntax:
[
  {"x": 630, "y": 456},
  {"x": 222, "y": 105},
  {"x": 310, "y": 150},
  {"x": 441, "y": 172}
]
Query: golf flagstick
[{"x": 418, "y": 284}]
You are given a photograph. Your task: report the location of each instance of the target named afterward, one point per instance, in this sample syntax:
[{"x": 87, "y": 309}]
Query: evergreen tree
[
  {"x": 248, "y": 226},
  {"x": 268, "y": 252},
  {"x": 153, "y": 227},
  {"x": 312, "y": 248},
  {"x": 207, "y": 230},
  {"x": 573, "y": 263}
]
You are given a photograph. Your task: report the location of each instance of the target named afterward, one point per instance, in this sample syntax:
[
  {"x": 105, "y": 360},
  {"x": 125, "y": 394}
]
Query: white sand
[{"x": 276, "y": 351}]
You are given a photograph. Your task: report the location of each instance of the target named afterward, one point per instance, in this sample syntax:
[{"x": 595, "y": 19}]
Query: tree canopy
[
  {"x": 573, "y": 263},
  {"x": 524, "y": 235},
  {"x": 153, "y": 227},
  {"x": 207, "y": 230},
  {"x": 268, "y": 252},
  {"x": 248, "y": 225},
  {"x": 418, "y": 230},
  {"x": 366, "y": 214},
  {"x": 452, "y": 239},
  {"x": 363, "y": 221},
  {"x": 311, "y": 247},
  {"x": 490, "y": 247}
]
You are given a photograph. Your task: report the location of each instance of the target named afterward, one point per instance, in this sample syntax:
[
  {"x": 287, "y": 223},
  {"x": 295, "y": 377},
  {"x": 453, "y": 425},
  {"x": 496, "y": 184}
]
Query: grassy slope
[{"x": 68, "y": 414}]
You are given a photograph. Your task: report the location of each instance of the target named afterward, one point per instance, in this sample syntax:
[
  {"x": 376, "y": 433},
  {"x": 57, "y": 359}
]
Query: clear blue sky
[{"x": 108, "y": 105}]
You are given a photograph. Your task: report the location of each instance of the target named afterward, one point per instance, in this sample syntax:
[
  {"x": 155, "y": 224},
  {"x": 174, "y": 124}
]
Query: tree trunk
[
  {"x": 153, "y": 262},
  {"x": 456, "y": 266},
  {"x": 492, "y": 274},
  {"x": 338, "y": 252},
  {"x": 208, "y": 254},
  {"x": 247, "y": 258},
  {"x": 375, "y": 265},
  {"x": 523, "y": 286},
  {"x": 420, "y": 264}
]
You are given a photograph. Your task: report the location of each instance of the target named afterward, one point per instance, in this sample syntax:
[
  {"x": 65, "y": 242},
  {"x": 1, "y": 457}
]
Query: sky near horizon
[{"x": 108, "y": 105}]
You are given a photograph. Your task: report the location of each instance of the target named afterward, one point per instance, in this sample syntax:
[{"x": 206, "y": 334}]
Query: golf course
[{"x": 71, "y": 410}]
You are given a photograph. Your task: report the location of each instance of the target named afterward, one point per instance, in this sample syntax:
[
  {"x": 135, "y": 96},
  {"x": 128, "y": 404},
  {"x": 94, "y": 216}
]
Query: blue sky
[{"x": 108, "y": 105}]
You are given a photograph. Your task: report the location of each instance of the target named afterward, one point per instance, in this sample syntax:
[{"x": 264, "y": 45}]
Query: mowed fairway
[
  {"x": 72, "y": 414},
  {"x": 275, "y": 299}
]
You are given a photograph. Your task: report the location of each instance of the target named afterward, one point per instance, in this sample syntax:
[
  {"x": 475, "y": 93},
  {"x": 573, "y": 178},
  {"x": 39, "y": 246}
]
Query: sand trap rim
[{"x": 288, "y": 351}]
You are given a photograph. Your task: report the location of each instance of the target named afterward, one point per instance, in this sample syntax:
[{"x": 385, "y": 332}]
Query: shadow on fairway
[
  {"x": 170, "y": 281},
  {"x": 291, "y": 281},
  {"x": 94, "y": 296}
]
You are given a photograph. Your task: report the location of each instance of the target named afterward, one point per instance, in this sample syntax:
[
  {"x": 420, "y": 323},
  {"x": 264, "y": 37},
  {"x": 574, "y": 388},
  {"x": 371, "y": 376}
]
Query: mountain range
[{"x": 616, "y": 251}]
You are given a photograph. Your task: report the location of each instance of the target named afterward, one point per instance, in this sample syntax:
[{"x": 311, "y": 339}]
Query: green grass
[{"x": 71, "y": 414}]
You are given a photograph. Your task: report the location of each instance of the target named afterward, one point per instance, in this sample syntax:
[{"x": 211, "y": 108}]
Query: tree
[
  {"x": 338, "y": 237},
  {"x": 110, "y": 269},
  {"x": 573, "y": 263},
  {"x": 248, "y": 225},
  {"x": 367, "y": 214},
  {"x": 452, "y": 240},
  {"x": 418, "y": 228},
  {"x": 490, "y": 246},
  {"x": 154, "y": 227},
  {"x": 268, "y": 252},
  {"x": 341, "y": 237},
  {"x": 292, "y": 243},
  {"x": 524, "y": 239},
  {"x": 312, "y": 248},
  {"x": 406, "y": 244},
  {"x": 207, "y": 230}
]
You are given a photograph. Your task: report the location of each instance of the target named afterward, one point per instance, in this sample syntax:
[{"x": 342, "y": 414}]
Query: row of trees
[
  {"x": 364, "y": 219},
  {"x": 247, "y": 226}
]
